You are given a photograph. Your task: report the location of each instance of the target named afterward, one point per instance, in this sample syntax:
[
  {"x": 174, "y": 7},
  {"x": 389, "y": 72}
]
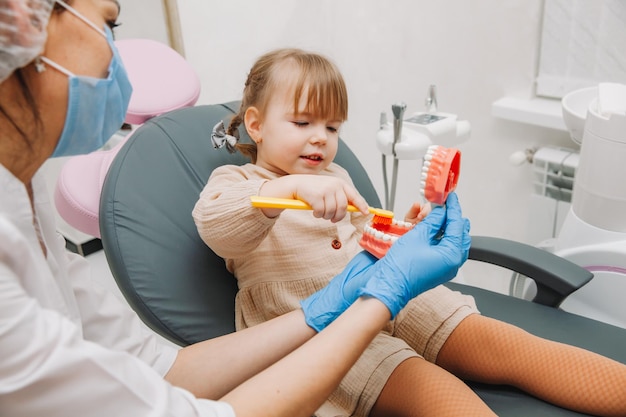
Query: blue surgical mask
[{"x": 96, "y": 106}]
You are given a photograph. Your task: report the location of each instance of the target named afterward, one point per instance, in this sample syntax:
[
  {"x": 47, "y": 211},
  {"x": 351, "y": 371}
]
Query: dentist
[{"x": 69, "y": 348}]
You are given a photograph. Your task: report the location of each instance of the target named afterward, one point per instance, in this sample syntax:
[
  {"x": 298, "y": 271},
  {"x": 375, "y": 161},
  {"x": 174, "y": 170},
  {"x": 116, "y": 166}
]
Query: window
[{"x": 583, "y": 42}]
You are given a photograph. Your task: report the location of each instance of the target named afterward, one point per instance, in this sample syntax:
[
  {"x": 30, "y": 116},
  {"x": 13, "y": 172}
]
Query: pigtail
[
  {"x": 247, "y": 149},
  {"x": 233, "y": 125}
]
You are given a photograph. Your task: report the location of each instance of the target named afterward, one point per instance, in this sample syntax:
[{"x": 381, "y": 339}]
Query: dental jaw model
[
  {"x": 426, "y": 136},
  {"x": 440, "y": 173},
  {"x": 377, "y": 237}
]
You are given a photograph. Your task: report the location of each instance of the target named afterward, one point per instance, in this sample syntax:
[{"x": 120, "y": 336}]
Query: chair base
[{"x": 85, "y": 248}]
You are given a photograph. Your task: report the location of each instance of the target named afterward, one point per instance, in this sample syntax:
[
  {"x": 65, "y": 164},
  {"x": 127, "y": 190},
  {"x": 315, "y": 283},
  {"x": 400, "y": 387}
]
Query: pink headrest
[{"x": 162, "y": 80}]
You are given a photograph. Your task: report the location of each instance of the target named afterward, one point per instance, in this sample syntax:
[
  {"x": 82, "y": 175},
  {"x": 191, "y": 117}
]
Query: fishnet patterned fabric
[
  {"x": 490, "y": 351},
  {"x": 420, "y": 388}
]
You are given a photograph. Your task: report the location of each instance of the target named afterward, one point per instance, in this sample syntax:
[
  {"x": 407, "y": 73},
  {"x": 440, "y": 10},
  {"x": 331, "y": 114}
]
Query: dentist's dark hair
[{"x": 27, "y": 95}]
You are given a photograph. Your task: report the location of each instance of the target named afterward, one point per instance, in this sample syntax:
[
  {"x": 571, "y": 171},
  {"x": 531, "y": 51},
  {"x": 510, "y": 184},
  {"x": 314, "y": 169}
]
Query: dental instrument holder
[{"x": 410, "y": 138}]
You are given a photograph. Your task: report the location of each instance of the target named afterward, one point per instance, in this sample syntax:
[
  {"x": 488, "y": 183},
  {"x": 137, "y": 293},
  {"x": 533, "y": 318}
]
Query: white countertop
[{"x": 538, "y": 111}]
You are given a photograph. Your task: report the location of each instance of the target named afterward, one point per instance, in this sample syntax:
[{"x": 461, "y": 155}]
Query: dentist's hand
[
  {"x": 426, "y": 256},
  {"x": 324, "y": 306},
  {"x": 418, "y": 261}
]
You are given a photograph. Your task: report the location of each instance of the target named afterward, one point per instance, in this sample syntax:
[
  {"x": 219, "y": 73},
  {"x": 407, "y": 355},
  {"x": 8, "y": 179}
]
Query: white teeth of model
[
  {"x": 401, "y": 223},
  {"x": 426, "y": 164},
  {"x": 394, "y": 238},
  {"x": 422, "y": 184},
  {"x": 379, "y": 235}
]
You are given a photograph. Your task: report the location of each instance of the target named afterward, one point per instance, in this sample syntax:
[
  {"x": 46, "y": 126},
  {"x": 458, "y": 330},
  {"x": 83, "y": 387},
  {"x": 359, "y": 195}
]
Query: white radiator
[{"x": 553, "y": 171}]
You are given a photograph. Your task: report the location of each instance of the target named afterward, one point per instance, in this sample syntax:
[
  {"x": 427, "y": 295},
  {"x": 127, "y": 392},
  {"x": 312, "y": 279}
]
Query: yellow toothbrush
[{"x": 380, "y": 215}]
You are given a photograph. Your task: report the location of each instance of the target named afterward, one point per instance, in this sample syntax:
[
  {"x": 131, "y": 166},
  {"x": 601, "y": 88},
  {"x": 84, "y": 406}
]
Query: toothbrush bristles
[
  {"x": 382, "y": 220},
  {"x": 382, "y": 217}
]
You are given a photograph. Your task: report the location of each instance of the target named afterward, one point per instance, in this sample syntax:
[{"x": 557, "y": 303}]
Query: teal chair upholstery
[{"x": 183, "y": 291}]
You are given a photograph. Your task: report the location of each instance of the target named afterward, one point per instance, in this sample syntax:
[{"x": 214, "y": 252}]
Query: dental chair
[{"x": 182, "y": 290}]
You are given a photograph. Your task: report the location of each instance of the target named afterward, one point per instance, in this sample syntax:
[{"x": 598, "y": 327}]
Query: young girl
[{"x": 293, "y": 106}]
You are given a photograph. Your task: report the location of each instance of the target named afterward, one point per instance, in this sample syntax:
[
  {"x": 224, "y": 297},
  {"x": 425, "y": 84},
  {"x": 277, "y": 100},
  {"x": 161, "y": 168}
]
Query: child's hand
[
  {"x": 417, "y": 212},
  {"x": 328, "y": 196}
]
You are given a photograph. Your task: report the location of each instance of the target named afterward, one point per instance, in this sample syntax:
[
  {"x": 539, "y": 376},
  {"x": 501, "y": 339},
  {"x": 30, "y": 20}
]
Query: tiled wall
[{"x": 583, "y": 43}]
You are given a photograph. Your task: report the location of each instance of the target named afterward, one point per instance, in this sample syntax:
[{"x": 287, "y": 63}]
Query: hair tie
[{"x": 219, "y": 137}]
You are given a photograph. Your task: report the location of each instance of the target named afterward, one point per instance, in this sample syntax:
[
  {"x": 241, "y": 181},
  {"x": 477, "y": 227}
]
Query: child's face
[{"x": 295, "y": 142}]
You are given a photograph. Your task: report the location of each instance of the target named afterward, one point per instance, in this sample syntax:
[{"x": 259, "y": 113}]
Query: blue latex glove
[
  {"x": 421, "y": 259},
  {"x": 325, "y": 305},
  {"x": 417, "y": 262}
]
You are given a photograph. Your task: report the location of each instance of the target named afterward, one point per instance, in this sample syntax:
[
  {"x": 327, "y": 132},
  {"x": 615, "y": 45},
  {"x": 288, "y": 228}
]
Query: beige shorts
[{"x": 419, "y": 330}]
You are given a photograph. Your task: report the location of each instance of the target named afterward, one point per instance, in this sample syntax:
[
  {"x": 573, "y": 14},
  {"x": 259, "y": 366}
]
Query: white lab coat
[{"x": 68, "y": 348}]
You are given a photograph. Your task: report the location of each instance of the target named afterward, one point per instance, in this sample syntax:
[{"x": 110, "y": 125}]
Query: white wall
[
  {"x": 475, "y": 52},
  {"x": 142, "y": 19}
]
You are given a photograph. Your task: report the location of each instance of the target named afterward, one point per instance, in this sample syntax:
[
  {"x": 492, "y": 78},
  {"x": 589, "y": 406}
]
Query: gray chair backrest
[{"x": 177, "y": 285}]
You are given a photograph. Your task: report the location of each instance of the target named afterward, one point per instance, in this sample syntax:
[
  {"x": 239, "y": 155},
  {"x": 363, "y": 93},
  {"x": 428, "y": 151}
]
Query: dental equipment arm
[
  {"x": 411, "y": 138},
  {"x": 398, "y": 113}
]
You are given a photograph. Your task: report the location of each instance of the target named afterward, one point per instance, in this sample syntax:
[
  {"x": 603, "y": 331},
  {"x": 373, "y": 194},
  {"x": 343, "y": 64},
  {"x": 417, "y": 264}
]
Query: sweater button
[{"x": 336, "y": 244}]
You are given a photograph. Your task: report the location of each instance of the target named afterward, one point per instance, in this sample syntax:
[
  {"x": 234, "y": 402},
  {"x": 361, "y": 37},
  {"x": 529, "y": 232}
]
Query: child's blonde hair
[{"x": 326, "y": 89}]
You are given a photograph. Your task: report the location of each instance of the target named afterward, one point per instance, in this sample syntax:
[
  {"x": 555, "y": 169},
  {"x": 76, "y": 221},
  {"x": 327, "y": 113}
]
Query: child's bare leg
[
  {"x": 420, "y": 388},
  {"x": 487, "y": 350}
]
